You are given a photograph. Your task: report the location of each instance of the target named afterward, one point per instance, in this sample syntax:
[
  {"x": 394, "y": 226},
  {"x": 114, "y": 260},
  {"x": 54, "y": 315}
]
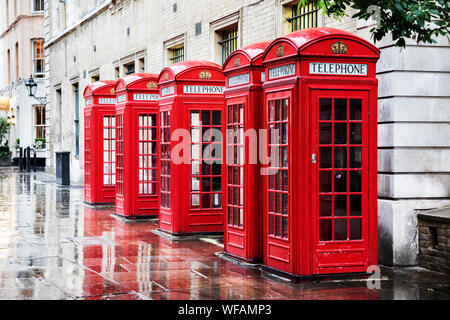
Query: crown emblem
[
  {"x": 280, "y": 51},
  {"x": 166, "y": 76},
  {"x": 152, "y": 85},
  {"x": 237, "y": 62},
  {"x": 206, "y": 75},
  {"x": 112, "y": 91},
  {"x": 339, "y": 48},
  {"x": 120, "y": 86}
]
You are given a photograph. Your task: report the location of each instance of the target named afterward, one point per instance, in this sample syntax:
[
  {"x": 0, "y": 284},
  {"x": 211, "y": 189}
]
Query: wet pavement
[{"x": 52, "y": 246}]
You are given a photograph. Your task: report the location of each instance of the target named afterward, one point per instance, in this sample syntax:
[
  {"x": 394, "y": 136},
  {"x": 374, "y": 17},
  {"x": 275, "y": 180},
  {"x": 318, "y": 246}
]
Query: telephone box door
[
  {"x": 278, "y": 212},
  {"x": 340, "y": 134}
]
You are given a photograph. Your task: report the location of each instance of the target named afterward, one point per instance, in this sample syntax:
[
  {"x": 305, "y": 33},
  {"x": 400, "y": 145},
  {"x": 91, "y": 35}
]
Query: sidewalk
[{"x": 54, "y": 247}]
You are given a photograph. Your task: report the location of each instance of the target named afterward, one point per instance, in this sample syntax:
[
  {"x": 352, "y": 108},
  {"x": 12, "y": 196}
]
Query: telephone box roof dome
[
  {"x": 179, "y": 68},
  {"x": 252, "y": 52},
  {"x": 131, "y": 79},
  {"x": 302, "y": 39},
  {"x": 100, "y": 87}
]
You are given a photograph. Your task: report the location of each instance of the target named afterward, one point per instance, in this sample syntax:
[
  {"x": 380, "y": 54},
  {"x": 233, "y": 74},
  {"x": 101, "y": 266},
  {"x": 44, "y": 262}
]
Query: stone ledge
[{"x": 439, "y": 215}]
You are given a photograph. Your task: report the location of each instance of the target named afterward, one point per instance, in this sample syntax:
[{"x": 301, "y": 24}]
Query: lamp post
[{"x": 32, "y": 87}]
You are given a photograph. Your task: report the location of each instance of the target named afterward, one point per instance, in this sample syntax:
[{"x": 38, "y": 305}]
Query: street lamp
[{"x": 32, "y": 87}]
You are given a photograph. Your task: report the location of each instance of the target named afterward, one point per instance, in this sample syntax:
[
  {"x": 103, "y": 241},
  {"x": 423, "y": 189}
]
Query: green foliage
[
  {"x": 39, "y": 143},
  {"x": 422, "y": 20},
  {"x": 4, "y": 152},
  {"x": 4, "y": 129},
  {"x": 17, "y": 144}
]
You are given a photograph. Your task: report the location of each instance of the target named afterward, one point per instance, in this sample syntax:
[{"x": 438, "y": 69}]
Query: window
[
  {"x": 95, "y": 78},
  {"x": 278, "y": 194},
  {"x": 38, "y": 5},
  {"x": 235, "y": 146},
  {"x": 39, "y": 121},
  {"x": 38, "y": 58},
  {"x": 176, "y": 54},
  {"x": 340, "y": 169},
  {"x": 206, "y": 169},
  {"x": 147, "y": 154},
  {"x": 17, "y": 61},
  {"x": 165, "y": 159},
  {"x": 76, "y": 120},
  {"x": 129, "y": 68},
  {"x": 117, "y": 73},
  {"x": 228, "y": 42},
  {"x": 109, "y": 150},
  {"x": 142, "y": 64},
  {"x": 303, "y": 17},
  {"x": 9, "y": 66}
]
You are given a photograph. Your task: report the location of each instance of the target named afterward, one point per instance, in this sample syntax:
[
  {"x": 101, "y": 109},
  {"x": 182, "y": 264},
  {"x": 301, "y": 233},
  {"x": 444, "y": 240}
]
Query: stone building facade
[
  {"x": 22, "y": 55},
  {"x": 106, "y": 39}
]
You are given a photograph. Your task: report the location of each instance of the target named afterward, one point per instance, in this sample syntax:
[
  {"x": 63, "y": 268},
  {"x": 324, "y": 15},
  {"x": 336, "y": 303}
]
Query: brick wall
[{"x": 434, "y": 240}]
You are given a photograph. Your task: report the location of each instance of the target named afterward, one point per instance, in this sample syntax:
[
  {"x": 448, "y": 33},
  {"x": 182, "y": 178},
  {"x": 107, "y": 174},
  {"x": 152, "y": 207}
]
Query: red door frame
[
  {"x": 130, "y": 203},
  {"x": 243, "y": 239},
  {"x": 298, "y": 50},
  {"x": 99, "y": 98},
  {"x": 181, "y": 219}
]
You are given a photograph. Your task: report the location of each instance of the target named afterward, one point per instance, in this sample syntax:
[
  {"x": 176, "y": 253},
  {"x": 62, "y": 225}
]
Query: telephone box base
[
  {"x": 250, "y": 263},
  {"x": 99, "y": 204},
  {"x": 187, "y": 236},
  {"x": 316, "y": 277},
  {"x": 132, "y": 217}
]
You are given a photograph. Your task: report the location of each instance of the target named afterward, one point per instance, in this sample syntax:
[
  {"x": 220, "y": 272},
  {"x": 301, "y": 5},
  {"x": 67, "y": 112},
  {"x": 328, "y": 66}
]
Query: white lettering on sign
[
  {"x": 351, "y": 69},
  {"x": 167, "y": 91},
  {"x": 239, "y": 79},
  {"x": 282, "y": 71},
  {"x": 263, "y": 77},
  {"x": 204, "y": 89},
  {"x": 122, "y": 98},
  {"x": 107, "y": 101},
  {"x": 146, "y": 97},
  {"x": 89, "y": 102}
]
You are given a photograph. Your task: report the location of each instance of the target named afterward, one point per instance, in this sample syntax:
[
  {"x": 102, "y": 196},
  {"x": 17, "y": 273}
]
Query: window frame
[
  {"x": 42, "y": 125},
  {"x": 33, "y": 6},
  {"x": 35, "y": 57}
]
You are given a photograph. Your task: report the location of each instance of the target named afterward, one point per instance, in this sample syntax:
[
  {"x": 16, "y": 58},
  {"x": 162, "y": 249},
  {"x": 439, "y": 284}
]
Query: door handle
[{"x": 314, "y": 158}]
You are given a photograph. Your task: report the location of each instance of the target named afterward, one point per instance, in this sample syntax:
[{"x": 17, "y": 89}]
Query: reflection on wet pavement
[{"x": 54, "y": 247}]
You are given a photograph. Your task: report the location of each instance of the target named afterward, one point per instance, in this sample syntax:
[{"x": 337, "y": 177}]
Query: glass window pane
[
  {"x": 340, "y": 229},
  {"x": 325, "y": 206},
  {"x": 355, "y": 205},
  {"x": 325, "y": 133},
  {"x": 206, "y": 201},
  {"x": 355, "y": 157},
  {"x": 325, "y": 230},
  {"x": 324, "y": 109},
  {"x": 206, "y": 117},
  {"x": 216, "y": 118},
  {"x": 285, "y": 227},
  {"x": 325, "y": 158},
  {"x": 325, "y": 181},
  {"x": 355, "y": 181},
  {"x": 355, "y": 109},
  {"x": 271, "y": 225},
  {"x": 340, "y": 109},
  {"x": 340, "y": 181},
  {"x": 340, "y": 157},
  {"x": 340, "y": 133},
  {"x": 340, "y": 206},
  {"x": 355, "y": 133},
  {"x": 355, "y": 229}
]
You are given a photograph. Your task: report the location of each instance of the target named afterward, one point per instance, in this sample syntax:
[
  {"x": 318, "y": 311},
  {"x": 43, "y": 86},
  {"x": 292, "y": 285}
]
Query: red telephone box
[
  {"x": 320, "y": 201},
  {"x": 137, "y": 114},
  {"x": 100, "y": 143},
  {"x": 192, "y": 104},
  {"x": 244, "y": 102}
]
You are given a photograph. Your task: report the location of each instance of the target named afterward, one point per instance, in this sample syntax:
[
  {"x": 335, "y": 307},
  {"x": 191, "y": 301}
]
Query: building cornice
[
  {"x": 20, "y": 17},
  {"x": 89, "y": 17}
]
